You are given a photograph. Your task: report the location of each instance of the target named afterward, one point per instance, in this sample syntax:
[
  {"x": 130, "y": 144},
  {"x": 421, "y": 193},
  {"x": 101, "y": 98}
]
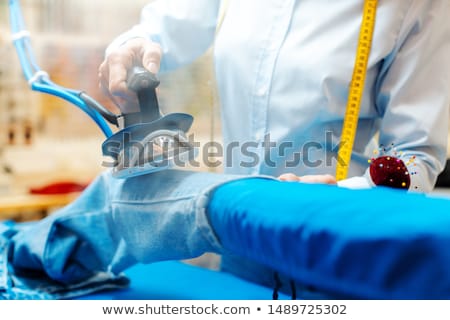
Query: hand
[
  {"x": 113, "y": 70},
  {"x": 319, "y": 178}
]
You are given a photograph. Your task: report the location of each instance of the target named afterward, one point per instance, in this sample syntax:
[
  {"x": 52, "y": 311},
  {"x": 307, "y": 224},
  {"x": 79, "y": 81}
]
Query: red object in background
[
  {"x": 391, "y": 172},
  {"x": 59, "y": 188}
]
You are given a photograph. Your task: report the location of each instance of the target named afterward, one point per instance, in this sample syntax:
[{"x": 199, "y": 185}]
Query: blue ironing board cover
[
  {"x": 377, "y": 244},
  {"x": 176, "y": 280}
]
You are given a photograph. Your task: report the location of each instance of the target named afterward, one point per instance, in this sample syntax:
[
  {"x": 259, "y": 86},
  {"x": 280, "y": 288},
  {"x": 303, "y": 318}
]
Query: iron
[{"x": 147, "y": 141}]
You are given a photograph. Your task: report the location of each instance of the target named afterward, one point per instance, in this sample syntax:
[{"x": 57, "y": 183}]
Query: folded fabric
[
  {"x": 32, "y": 282},
  {"x": 369, "y": 244},
  {"x": 113, "y": 225}
]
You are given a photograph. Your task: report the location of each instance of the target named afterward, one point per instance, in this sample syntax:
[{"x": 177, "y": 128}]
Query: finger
[
  {"x": 310, "y": 179},
  {"x": 145, "y": 53},
  {"x": 104, "y": 88},
  {"x": 125, "y": 98},
  {"x": 325, "y": 179},
  {"x": 127, "y": 105},
  {"x": 103, "y": 72},
  {"x": 329, "y": 179},
  {"x": 151, "y": 57},
  {"x": 103, "y": 77},
  {"x": 118, "y": 78},
  {"x": 288, "y": 177}
]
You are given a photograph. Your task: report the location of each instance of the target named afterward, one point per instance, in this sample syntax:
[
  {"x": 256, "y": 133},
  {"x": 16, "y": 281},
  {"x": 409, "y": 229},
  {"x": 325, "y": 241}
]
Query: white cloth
[{"x": 283, "y": 69}]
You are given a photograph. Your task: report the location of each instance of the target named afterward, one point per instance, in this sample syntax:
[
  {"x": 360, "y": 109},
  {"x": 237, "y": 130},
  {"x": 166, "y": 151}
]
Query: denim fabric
[{"x": 114, "y": 224}]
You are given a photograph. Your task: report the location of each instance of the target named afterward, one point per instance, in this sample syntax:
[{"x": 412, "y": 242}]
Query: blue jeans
[{"x": 113, "y": 225}]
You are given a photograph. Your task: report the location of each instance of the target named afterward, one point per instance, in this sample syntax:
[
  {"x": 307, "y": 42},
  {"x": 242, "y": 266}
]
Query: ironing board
[
  {"x": 176, "y": 280},
  {"x": 378, "y": 243},
  {"x": 372, "y": 244}
]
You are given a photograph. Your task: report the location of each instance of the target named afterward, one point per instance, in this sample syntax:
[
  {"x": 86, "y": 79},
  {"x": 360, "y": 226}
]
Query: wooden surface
[{"x": 18, "y": 206}]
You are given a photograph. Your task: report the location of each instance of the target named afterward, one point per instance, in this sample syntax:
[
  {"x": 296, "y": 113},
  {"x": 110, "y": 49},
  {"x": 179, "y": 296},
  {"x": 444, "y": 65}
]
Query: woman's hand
[
  {"x": 113, "y": 72},
  {"x": 319, "y": 178}
]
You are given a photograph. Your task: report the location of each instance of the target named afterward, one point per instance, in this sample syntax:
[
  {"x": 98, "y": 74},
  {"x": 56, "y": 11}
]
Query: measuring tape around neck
[{"x": 356, "y": 89}]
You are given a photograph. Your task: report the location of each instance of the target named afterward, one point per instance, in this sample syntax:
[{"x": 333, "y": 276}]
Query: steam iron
[{"x": 147, "y": 141}]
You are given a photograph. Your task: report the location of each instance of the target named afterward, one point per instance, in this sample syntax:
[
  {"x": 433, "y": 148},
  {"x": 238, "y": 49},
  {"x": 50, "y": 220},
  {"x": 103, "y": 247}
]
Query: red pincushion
[{"x": 390, "y": 171}]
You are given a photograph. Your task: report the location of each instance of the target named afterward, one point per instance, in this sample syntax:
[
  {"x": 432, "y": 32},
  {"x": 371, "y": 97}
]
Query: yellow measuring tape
[{"x": 356, "y": 89}]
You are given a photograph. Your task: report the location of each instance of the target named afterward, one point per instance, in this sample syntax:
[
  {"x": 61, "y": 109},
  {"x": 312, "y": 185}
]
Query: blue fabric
[
  {"x": 62, "y": 256},
  {"x": 113, "y": 225},
  {"x": 376, "y": 244},
  {"x": 32, "y": 281},
  {"x": 174, "y": 280}
]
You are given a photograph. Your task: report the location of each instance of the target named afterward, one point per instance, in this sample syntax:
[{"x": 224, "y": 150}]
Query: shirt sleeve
[
  {"x": 185, "y": 29},
  {"x": 412, "y": 92}
]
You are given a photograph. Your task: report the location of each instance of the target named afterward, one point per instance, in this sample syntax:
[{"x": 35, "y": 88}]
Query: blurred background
[{"x": 45, "y": 141}]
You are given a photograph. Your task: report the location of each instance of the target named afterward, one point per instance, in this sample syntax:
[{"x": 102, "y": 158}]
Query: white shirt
[{"x": 284, "y": 67}]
